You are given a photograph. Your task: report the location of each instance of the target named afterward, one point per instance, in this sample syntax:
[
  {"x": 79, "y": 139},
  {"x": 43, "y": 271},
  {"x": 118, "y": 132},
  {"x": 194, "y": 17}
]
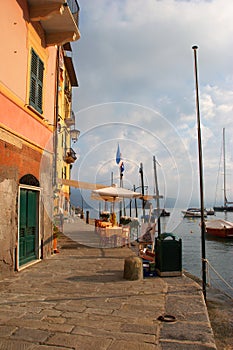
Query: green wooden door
[{"x": 28, "y": 226}]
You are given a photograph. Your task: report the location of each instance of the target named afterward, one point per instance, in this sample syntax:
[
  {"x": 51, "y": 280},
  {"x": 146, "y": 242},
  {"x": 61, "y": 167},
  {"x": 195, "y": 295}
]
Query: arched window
[{"x": 30, "y": 180}]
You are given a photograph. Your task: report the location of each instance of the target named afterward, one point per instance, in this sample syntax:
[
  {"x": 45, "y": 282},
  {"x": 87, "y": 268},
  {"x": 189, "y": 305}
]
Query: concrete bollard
[
  {"x": 133, "y": 269},
  {"x": 87, "y": 217}
]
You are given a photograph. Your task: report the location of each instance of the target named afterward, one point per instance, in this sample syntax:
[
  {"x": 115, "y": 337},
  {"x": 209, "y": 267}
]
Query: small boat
[
  {"x": 193, "y": 213},
  {"x": 210, "y": 211},
  {"x": 219, "y": 228},
  {"x": 164, "y": 213}
]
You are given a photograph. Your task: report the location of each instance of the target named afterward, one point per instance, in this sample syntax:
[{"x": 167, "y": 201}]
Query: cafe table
[{"x": 113, "y": 235}]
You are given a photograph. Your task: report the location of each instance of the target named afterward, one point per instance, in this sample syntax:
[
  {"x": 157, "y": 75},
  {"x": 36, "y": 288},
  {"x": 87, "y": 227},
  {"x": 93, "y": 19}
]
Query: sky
[{"x": 135, "y": 67}]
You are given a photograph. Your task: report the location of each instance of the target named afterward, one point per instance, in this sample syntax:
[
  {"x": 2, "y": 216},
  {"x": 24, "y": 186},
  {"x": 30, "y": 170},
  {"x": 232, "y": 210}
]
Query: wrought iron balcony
[
  {"x": 59, "y": 19},
  {"x": 70, "y": 156},
  {"x": 74, "y": 8}
]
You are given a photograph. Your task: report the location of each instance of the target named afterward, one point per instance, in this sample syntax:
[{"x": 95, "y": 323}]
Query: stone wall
[
  {"x": 18, "y": 159},
  {"x": 8, "y": 217}
]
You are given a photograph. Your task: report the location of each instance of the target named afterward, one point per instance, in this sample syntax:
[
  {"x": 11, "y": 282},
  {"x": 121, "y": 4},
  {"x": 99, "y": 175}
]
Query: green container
[{"x": 168, "y": 249}]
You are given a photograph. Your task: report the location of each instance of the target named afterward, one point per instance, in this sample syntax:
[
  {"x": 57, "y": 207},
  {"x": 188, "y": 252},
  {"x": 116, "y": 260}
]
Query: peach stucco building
[{"x": 33, "y": 36}]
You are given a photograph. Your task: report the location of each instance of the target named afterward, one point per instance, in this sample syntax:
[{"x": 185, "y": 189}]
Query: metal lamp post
[
  {"x": 200, "y": 176},
  {"x": 135, "y": 199}
]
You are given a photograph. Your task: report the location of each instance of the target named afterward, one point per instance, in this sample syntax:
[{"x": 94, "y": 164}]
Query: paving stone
[
  {"x": 186, "y": 346},
  {"x": 123, "y": 345},
  {"x": 78, "y": 299},
  {"x": 192, "y": 332},
  {"x": 14, "y": 345},
  {"x": 6, "y": 330},
  {"x": 45, "y": 347},
  {"x": 79, "y": 341},
  {"x": 139, "y": 328},
  {"x": 30, "y": 334}
]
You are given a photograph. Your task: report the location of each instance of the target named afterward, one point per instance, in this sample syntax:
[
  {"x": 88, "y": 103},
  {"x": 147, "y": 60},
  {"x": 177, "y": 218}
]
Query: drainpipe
[{"x": 56, "y": 121}]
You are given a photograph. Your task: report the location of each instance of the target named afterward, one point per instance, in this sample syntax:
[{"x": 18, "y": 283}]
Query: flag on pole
[
  {"x": 119, "y": 160},
  {"x": 118, "y": 155}
]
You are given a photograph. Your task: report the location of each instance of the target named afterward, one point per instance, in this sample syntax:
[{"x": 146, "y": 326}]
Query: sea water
[{"x": 219, "y": 252}]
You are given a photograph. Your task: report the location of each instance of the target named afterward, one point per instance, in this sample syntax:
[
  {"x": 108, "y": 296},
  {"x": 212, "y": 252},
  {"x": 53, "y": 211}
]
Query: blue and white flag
[
  {"x": 118, "y": 155},
  {"x": 119, "y": 160}
]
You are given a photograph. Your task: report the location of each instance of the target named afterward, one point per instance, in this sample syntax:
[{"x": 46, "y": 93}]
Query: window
[{"x": 36, "y": 82}]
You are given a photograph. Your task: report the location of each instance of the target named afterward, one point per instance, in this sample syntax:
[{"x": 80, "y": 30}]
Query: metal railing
[{"x": 74, "y": 8}]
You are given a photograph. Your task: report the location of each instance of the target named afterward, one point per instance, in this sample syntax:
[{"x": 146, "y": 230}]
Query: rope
[
  {"x": 208, "y": 272},
  {"x": 216, "y": 272}
]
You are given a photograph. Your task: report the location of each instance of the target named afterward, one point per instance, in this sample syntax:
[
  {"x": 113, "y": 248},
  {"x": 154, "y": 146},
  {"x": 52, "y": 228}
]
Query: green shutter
[
  {"x": 36, "y": 82},
  {"x": 28, "y": 226}
]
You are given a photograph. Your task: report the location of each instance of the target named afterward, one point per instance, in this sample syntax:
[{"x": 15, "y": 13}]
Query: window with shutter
[{"x": 36, "y": 82}]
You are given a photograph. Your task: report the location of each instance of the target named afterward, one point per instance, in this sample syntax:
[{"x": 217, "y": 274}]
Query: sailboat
[{"x": 227, "y": 205}]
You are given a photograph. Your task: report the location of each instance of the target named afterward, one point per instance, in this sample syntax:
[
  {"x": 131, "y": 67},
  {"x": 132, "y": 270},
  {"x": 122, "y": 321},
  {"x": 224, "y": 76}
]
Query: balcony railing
[
  {"x": 70, "y": 156},
  {"x": 74, "y": 8},
  {"x": 59, "y": 19}
]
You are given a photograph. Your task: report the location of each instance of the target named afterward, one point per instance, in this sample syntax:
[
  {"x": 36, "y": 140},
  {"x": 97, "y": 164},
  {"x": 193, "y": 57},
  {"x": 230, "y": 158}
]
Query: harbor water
[{"x": 219, "y": 252}]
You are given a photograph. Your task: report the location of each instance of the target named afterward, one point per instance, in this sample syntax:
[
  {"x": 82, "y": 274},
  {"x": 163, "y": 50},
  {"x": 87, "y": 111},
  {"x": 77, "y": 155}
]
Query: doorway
[{"x": 28, "y": 234}]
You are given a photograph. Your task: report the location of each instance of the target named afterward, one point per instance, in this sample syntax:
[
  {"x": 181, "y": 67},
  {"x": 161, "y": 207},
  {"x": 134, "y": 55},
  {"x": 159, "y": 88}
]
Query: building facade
[
  {"x": 66, "y": 134},
  {"x": 32, "y": 33}
]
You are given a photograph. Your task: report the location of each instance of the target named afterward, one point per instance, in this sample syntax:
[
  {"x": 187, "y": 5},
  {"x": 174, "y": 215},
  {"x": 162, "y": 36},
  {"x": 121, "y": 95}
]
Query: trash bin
[{"x": 168, "y": 252}]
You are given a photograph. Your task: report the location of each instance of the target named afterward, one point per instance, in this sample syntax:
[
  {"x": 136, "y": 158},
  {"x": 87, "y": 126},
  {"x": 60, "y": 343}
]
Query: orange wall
[
  {"x": 13, "y": 38},
  {"x": 17, "y": 37},
  {"x": 16, "y": 119}
]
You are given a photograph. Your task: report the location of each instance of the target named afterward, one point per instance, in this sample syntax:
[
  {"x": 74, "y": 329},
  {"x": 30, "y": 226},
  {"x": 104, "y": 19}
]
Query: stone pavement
[{"x": 78, "y": 299}]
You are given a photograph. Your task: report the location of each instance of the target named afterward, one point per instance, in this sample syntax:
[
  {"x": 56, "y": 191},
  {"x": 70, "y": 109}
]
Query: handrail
[{"x": 74, "y": 8}]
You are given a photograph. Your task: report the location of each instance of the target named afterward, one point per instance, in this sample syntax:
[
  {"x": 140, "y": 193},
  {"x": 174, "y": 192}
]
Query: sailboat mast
[
  {"x": 157, "y": 196},
  {"x": 224, "y": 169}
]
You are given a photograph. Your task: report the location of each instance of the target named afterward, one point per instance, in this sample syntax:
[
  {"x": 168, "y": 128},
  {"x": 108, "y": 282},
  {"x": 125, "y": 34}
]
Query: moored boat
[
  {"x": 165, "y": 213},
  {"x": 210, "y": 211},
  {"x": 193, "y": 213},
  {"x": 219, "y": 228},
  {"x": 224, "y": 207},
  {"x": 162, "y": 212}
]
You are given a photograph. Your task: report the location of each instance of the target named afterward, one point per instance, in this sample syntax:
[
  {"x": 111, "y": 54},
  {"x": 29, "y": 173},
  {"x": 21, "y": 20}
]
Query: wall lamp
[{"x": 74, "y": 134}]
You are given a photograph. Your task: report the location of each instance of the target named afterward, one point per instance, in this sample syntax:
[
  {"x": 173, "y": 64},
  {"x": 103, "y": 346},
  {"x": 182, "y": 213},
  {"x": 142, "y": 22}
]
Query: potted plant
[
  {"x": 134, "y": 223},
  {"x": 104, "y": 215},
  {"x": 125, "y": 220},
  {"x": 55, "y": 236}
]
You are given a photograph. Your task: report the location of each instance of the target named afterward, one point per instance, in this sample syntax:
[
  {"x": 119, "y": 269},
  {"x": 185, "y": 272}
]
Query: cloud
[{"x": 135, "y": 68}]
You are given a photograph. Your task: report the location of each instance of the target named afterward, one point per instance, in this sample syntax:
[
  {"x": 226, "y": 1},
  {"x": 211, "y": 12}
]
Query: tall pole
[
  {"x": 55, "y": 140},
  {"x": 121, "y": 180},
  {"x": 135, "y": 202},
  {"x": 157, "y": 197},
  {"x": 224, "y": 168},
  {"x": 142, "y": 183},
  {"x": 200, "y": 176}
]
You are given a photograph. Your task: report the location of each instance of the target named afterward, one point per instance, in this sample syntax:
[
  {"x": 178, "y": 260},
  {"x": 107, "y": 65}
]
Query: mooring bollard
[
  {"x": 87, "y": 217},
  {"x": 133, "y": 268}
]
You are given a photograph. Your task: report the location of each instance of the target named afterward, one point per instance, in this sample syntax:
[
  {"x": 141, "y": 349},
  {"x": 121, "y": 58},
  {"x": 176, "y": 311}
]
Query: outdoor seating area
[{"x": 111, "y": 235}]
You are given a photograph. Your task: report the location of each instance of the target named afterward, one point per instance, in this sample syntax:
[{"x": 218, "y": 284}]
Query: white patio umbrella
[{"x": 113, "y": 194}]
